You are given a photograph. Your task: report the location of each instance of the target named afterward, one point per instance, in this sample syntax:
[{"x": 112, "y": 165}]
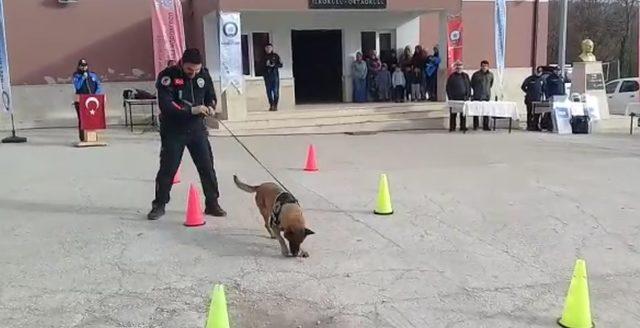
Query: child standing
[
  {"x": 416, "y": 79},
  {"x": 399, "y": 83}
]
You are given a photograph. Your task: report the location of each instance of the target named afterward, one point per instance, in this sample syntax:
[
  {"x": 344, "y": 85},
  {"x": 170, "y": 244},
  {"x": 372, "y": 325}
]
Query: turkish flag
[{"x": 92, "y": 113}]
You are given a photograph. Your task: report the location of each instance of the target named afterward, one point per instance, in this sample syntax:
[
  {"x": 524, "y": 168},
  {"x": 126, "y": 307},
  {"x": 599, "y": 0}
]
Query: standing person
[
  {"x": 405, "y": 58},
  {"x": 458, "y": 88},
  {"x": 532, "y": 86},
  {"x": 416, "y": 79},
  {"x": 85, "y": 82},
  {"x": 359, "y": 74},
  {"x": 399, "y": 82},
  {"x": 408, "y": 78},
  {"x": 431, "y": 74},
  {"x": 185, "y": 97},
  {"x": 481, "y": 83},
  {"x": 272, "y": 64},
  {"x": 373, "y": 67},
  {"x": 419, "y": 60},
  {"x": 392, "y": 61},
  {"x": 383, "y": 83},
  {"x": 553, "y": 85}
]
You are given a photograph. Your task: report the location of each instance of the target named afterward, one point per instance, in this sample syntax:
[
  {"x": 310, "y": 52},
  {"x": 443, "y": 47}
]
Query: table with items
[
  {"x": 128, "y": 110},
  {"x": 494, "y": 109}
]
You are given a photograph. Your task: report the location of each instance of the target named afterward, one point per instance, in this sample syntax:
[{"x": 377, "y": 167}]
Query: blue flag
[{"x": 5, "y": 80}]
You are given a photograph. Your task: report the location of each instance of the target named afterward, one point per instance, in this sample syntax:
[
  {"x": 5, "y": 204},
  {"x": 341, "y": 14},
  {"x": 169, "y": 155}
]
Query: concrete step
[
  {"x": 351, "y": 118},
  {"x": 432, "y": 123}
]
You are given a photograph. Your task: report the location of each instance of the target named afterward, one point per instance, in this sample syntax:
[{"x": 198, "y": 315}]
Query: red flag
[
  {"x": 168, "y": 32},
  {"x": 454, "y": 41},
  {"x": 92, "y": 113}
]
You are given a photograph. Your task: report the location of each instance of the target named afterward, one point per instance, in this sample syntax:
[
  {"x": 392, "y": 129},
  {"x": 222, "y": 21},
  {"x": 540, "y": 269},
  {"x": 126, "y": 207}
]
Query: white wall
[{"x": 408, "y": 34}]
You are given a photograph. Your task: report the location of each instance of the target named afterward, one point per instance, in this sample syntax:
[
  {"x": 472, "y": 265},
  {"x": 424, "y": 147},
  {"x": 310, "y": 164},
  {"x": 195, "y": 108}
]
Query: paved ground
[{"x": 486, "y": 232}]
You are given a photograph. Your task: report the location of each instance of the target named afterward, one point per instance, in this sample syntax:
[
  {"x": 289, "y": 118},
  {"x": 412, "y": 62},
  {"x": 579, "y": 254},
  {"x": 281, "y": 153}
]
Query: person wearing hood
[{"x": 431, "y": 74}]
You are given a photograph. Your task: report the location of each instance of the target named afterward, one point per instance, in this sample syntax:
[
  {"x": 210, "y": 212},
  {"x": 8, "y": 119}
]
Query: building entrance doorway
[{"x": 317, "y": 66}]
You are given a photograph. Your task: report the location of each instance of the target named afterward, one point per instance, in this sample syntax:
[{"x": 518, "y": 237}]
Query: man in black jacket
[
  {"x": 481, "y": 83},
  {"x": 458, "y": 88},
  {"x": 185, "y": 97},
  {"x": 553, "y": 85},
  {"x": 532, "y": 86},
  {"x": 272, "y": 64}
]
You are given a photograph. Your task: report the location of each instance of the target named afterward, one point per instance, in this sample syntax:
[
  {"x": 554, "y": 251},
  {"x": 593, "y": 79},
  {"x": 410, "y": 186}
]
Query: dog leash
[{"x": 253, "y": 156}]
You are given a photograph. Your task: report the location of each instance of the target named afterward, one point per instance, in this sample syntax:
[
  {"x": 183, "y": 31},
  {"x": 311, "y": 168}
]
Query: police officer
[
  {"x": 85, "y": 82},
  {"x": 185, "y": 97},
  {"x": 532, "y": 86}
]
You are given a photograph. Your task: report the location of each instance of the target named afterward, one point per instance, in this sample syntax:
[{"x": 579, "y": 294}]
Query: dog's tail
[{"x": 244, "y": 186}]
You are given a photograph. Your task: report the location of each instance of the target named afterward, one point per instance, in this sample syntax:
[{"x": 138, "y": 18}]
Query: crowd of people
[{"x": 412, "y": 76}]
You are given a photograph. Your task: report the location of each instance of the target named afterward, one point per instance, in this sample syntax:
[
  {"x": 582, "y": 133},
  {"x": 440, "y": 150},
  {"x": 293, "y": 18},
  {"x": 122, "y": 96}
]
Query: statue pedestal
[{"x": 587, "y": 78}]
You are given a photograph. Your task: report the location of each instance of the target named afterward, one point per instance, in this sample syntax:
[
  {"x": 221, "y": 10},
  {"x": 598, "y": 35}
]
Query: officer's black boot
[
  {"x": 214, "y": 209},
  {"x": 157, "y": 211}
]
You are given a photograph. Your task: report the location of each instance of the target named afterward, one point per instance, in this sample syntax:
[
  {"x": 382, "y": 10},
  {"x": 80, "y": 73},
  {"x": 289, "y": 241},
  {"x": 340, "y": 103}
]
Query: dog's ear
[{"x": 308, "y": 232}]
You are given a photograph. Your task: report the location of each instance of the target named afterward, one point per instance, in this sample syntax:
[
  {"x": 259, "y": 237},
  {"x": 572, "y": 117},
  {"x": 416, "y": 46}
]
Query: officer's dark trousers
[
  {"x": 173, "y": 145},
  {"x": 533, "y": 120}
]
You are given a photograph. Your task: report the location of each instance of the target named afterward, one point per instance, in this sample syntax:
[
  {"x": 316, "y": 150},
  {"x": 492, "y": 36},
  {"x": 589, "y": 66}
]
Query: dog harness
[{"x": 282, "y": 199}]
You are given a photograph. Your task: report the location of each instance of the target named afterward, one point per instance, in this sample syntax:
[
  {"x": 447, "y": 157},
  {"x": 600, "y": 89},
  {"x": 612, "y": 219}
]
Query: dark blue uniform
[
  {"x": 179, "y": 128},
  {"x": 532, "y": 86}
]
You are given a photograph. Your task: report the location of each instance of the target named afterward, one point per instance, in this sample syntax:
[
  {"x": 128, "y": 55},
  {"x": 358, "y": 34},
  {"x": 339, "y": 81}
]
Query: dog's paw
[
  {"x": 272, "y": 237},
  {"x": 285, "y": 253},
  {"x": 304, "y": 254}
]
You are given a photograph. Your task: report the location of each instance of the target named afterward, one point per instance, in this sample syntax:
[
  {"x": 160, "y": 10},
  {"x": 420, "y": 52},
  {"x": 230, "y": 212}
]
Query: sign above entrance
[{"x": 347, "y": 4}]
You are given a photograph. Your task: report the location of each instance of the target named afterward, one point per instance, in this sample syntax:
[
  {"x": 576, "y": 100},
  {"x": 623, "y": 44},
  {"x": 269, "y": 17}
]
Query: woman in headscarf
[
  {"x": 359, "y": 75},
  {"x": 405, "y": 58},
  {"x": 419, "y": 61},
  {"x": 373, "y": 65}
]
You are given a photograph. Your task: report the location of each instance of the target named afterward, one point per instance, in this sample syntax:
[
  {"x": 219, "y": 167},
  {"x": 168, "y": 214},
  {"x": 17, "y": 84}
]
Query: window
[
  {"x": 260, "y": 40},
  {"x": 246, "y": 66},
  {"x": 629, "y": 86},
  {"x": 255, "y": 47},
  {"x": 611, "y": 87},
  {"x": 368, "y": 43}
]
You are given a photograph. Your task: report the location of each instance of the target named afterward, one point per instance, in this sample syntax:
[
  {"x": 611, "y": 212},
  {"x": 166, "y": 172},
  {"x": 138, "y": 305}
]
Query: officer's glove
[{"x": 197, "y": 110}]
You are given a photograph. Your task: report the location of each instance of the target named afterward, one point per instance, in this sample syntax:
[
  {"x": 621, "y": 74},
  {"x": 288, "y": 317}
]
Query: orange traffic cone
[
  {"x": 312, "y": 165},
  {"x": 176, "y": 178},
  {"x": 195, "y": 217}
]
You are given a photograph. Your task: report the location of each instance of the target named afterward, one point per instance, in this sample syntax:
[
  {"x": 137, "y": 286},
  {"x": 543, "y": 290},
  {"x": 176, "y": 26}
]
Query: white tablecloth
[{"x": 505, "y": 109}]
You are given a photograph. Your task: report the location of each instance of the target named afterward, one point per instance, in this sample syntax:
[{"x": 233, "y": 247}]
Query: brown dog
[{"x": 281, "y": 213}]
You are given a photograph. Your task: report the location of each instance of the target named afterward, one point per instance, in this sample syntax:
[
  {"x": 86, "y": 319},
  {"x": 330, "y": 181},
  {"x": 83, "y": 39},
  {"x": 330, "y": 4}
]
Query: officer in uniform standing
[{"x": 185, "y": 97}]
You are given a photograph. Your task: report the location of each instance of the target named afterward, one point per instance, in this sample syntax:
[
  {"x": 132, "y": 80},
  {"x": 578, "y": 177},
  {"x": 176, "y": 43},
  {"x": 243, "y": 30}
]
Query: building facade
[{"x": 317, "y": 40}]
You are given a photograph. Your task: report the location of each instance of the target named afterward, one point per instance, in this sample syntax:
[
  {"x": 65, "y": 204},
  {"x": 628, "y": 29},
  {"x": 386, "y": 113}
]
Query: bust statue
[{"x": 587, "y": 51}]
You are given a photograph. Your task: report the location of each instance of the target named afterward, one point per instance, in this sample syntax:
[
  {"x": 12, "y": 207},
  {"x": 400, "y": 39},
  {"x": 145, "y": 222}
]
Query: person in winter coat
[
  {"x": 532, "y": 87},
  {"x": 458, "y": 88},
  {"x": 553, "y": 85},
  {"x": 399, "y": 83},
  {"x": 383, "y": 83},
  {"x": 373, "y": 67},
  {"x": 431, "y": 74},
  {"x": 392, "y": 60},
  {"x": 416, "y": 80},
  {"x": 481, "y": 83},
  {"x": 359, "y": 75},
  {"x": 405, "y": 58}
]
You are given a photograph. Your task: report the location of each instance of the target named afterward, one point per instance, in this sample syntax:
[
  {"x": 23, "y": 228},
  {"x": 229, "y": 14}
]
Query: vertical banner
[
  {"x": 454, "y": 41},
  {"x": 5, "y": 80},
  {"x": 230, "y": 51},
  {"x": 500, "y": 40},
  {"x": 168, "y": 32}
]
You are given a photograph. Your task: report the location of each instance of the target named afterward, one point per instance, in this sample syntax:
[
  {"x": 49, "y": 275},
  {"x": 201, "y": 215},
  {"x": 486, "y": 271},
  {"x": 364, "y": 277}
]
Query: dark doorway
[{"x": 317, "y": 65}]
